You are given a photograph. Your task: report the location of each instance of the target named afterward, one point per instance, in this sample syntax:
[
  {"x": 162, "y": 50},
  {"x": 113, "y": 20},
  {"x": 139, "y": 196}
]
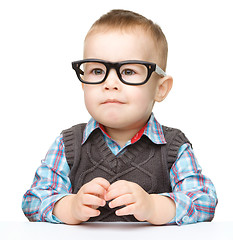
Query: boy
[{"x": 122, "y": 165}]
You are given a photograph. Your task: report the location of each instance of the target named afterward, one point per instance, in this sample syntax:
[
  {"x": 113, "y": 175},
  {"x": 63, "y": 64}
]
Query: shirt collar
[{"x": 153, "y": 130}]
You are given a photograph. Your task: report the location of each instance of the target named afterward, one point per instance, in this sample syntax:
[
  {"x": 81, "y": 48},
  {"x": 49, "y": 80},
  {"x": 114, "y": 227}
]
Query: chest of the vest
[{"x": 143, "y": 163}]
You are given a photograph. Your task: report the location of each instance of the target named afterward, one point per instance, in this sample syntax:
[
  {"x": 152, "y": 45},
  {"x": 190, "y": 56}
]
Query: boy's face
[{"x": 113, "y": 103}]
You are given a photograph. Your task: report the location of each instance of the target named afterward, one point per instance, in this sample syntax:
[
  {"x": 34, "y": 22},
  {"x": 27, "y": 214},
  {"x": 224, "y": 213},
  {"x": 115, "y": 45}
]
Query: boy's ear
[{"x": 163, "y": 88}]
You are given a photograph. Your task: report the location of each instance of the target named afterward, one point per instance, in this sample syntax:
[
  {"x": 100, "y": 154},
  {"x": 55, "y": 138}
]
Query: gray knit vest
[{"x": 143, "y": 162}]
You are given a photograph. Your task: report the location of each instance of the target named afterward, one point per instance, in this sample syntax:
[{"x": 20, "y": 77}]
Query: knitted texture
[{"x": 143, "y": 162}]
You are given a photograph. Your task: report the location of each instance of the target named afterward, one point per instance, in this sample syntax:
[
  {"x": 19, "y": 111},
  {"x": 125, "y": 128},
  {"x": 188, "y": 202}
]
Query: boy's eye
[
  {"x": 128, "y": 72},
  {"x": 98, "y": 71}
]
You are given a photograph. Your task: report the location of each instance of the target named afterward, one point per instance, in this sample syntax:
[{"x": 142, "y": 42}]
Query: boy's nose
[{"x": 112, "y": 82}]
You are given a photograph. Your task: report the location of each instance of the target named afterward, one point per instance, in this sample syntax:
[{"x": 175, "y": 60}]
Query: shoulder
[
  {"x": 174, "y": 135},
  {"x": 75, "y": 128},
  {"x": 175, "y": 139},
  {"x": 73, "y": 133},
  {"x": 72, "y": 137}
]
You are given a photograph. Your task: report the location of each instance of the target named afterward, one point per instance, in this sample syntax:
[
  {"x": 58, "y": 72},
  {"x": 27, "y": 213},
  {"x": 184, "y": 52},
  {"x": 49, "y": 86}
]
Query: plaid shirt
[{"x": 194, "y": 194}]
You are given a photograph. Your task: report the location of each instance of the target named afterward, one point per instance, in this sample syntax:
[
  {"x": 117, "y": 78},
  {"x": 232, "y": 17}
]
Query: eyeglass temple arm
[{"x": 160, "y": 71}]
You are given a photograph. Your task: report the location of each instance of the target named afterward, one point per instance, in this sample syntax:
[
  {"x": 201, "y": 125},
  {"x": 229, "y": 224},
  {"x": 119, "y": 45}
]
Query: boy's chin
[
  {"x": 117, "y": 125},
  {"x": 112, "y": 124}
]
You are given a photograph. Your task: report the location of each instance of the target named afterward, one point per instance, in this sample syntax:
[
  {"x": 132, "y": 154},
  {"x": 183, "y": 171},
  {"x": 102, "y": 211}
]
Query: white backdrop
[{"x": 40, "y": 94}]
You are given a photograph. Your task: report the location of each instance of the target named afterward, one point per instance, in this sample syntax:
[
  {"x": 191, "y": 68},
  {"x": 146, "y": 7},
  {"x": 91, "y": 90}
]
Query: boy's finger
[
  {"x": 122, "y": 200},
  {"x": 118, "y": 184},
  {"x": 89, "y": 199},
  {"x": 102, "y": 182},
  {"x": 128, "y": 210},
  {"x": 97, "y": 186},
  {"x": 90, "y": 212},
  {"x": 118, "y": 191},
  {"x": 95, "y": 189}
]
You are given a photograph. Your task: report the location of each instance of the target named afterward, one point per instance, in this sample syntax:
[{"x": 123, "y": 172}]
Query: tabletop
[{"x": 120, "y": 231}]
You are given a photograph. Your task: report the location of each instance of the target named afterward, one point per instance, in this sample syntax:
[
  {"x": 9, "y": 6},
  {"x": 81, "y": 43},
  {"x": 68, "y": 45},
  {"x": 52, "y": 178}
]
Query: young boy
[{"x": 122, "y": 165}]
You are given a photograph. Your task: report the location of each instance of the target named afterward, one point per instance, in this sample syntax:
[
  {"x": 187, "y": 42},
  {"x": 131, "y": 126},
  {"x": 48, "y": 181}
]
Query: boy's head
[
  {"x": 128, "y": 21},
  {"x": 110, "y": 97}
]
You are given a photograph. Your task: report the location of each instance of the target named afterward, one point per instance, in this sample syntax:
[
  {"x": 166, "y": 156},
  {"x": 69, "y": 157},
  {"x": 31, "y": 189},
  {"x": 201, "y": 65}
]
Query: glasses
[{"x": 132, "y": 72}]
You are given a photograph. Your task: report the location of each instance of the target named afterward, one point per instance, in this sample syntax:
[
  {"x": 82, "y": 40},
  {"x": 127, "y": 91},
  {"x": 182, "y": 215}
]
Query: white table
[{"x": 112, "y": 231}]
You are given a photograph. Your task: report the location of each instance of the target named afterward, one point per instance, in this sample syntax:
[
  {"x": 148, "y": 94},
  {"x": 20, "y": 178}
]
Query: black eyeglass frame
[{"x": 151, "y": 67}]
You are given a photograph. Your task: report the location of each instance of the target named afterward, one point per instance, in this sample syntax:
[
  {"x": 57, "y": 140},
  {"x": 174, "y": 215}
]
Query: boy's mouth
[{"x": 112, "y": 101}]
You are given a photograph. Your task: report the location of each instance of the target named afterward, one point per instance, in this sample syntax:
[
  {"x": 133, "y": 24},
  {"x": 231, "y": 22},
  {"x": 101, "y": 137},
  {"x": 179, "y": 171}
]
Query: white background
[{"x": 40, "y": 94}]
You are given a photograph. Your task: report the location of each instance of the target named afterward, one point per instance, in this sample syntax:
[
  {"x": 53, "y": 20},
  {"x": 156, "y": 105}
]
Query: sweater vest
[{"x": 143, "y": 162}]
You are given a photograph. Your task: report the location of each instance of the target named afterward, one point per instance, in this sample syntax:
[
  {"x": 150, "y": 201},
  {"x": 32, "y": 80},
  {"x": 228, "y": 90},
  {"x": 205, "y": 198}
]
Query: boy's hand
[
  {"x": 135, "y": 199},
  {"x": 89, "y": 198},
  {"x": 77, "y": 208}
]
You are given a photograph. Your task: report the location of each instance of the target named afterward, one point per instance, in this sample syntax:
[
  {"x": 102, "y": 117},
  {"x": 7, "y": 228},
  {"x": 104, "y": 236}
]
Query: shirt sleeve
[
  {"x": 50, "y": 184},
  {"x": 193, "y": 193}
]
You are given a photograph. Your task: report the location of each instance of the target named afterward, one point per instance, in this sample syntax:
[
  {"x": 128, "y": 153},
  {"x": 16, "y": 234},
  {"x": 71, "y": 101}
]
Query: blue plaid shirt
[{"x": 193, "y": 193}]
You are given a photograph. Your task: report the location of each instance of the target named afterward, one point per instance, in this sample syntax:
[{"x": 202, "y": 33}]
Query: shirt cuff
[
  {"x": 184, "y": 208},
  {"x": 47, "y": 206}
]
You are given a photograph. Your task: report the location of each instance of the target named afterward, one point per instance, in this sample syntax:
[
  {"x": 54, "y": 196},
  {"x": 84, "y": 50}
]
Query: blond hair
[{"x": 128, "y": 20}]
